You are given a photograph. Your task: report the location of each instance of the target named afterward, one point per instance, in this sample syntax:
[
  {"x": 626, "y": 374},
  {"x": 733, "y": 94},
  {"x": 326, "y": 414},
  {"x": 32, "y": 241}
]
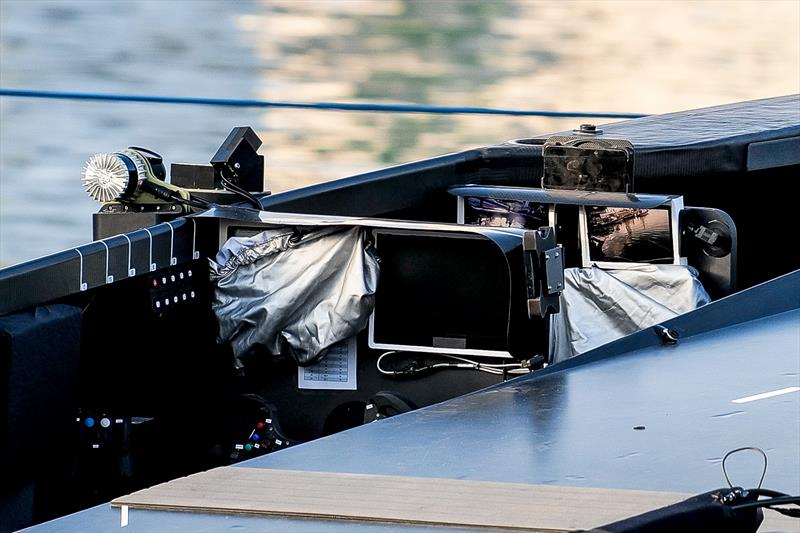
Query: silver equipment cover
[
  {"x": 599, "y": 306},
  {"x": 294, "y": 293}
]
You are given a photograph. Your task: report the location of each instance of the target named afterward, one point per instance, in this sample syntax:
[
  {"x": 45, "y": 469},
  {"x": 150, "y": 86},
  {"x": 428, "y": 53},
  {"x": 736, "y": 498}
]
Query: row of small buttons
[
  {"x": 175, "y": 299},
  {"x": 105, "y": 422},
  {"x": 172, "y": 278}
]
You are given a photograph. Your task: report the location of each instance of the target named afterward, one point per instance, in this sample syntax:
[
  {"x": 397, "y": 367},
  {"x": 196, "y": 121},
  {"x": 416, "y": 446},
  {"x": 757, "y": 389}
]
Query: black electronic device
[
  {"x": 132, "y": 183},
  {"x": 588, "y": 162},
  {"x": 441, "y": 293},
  {"x": 193, "y": 176},
  {"x": 459, "y": 292},
  {"x": 237, "y": 162}
]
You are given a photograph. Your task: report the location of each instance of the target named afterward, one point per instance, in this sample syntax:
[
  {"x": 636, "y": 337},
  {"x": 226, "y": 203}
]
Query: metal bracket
[
  {"x": 544, "y": 269},
  {"x": 554, "y": 270}
]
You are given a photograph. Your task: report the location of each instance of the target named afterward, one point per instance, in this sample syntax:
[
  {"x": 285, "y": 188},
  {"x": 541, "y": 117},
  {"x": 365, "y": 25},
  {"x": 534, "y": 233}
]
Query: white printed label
[{"x": 336, "y": 371}]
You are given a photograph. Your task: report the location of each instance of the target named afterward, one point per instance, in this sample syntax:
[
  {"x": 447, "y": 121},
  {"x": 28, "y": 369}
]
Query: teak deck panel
[{"x": 408, "y": 500}]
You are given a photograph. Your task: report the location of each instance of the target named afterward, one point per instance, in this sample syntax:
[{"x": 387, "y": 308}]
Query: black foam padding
[{"x": 39, "y": 363}]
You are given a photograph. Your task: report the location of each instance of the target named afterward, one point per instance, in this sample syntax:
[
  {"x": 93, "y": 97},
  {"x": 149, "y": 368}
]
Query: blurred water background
[{"x": 627, "y": 56}]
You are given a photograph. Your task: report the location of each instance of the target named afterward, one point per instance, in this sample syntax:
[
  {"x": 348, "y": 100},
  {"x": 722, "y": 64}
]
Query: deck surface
[
  {"x": 574, "y": 427},
  {"x": 404, "y": 499}
]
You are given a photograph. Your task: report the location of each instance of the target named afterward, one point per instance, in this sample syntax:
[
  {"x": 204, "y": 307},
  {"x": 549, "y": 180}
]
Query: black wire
[
  {"x": 202, "y": 201},
  {"x": 766, "y": 492},
  {"x": 192, "y": 202},
  {"x": 241, "y": 192},
  {"x": 198, "y": 203},
  {"x": 779, "y": 500},
  {"x": 168, "y": 194}
]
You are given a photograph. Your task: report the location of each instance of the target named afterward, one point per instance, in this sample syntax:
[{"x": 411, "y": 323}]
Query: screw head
[{"x": 588, "y": 129}]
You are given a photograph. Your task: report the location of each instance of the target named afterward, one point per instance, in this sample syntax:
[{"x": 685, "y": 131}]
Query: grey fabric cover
[
  {"x": 294, "y": 293},
  {"x": 599, "y": 306}
]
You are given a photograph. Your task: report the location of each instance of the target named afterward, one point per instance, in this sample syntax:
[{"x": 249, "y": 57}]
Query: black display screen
[{"x": 439, "y": 291}]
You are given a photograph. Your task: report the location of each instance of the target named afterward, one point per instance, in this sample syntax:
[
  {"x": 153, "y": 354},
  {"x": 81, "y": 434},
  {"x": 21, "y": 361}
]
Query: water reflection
[
  {"x": 611, "y": 56},
  {"x": 629, "y": 235}
]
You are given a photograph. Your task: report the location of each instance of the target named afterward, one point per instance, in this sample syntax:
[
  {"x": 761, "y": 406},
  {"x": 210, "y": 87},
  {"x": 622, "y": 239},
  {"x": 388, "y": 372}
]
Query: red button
[
  {"x": 155, "y": 283},
  {"x": 260, "y": 425}
]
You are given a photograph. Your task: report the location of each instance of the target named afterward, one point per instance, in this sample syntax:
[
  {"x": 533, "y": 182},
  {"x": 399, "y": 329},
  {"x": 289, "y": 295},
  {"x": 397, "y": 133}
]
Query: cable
[
  {"x": 192, "y": 201},
  {"x": 420, "y": 365},
  {"x": 745, "y": 449},
  {"x": 169, "y": 195},
  {"x": 774, "y": 497},
  {"x": 330, "y": 106},
  {"x": 766, "y": 492},
  {"x": 201, "y": 201},
  {"x": 232, "y": 187},
  {"x": 770, "y": 503}
]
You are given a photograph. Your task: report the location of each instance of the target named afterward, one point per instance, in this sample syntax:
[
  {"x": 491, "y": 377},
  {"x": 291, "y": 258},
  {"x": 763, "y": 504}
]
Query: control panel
[
  {"x": 265, "y": 436},
  {"x": 102, "y": 432},
  {"x": 175, "y": 287}
]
